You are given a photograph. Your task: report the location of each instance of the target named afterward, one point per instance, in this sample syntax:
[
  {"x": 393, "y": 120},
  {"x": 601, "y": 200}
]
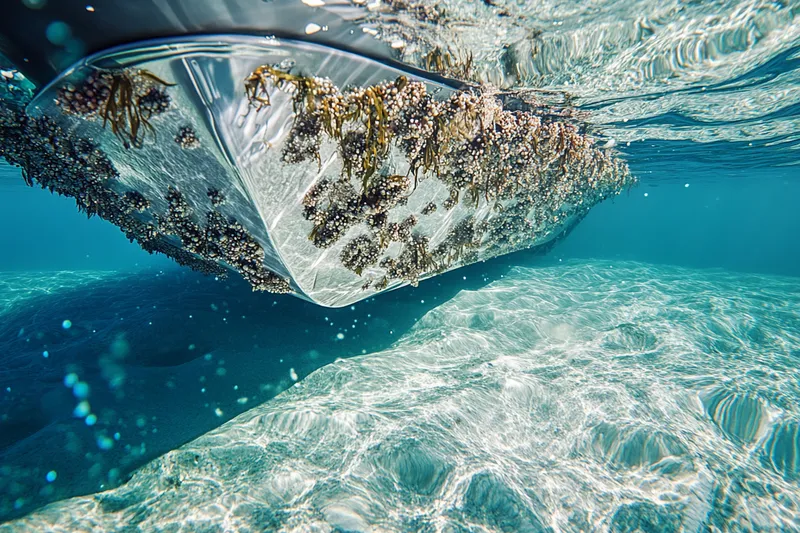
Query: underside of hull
[{"x": 305, "y": 168}]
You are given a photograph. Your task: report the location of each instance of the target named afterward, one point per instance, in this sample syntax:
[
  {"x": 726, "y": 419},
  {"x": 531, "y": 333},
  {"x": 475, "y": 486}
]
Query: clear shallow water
[
  {"x": 588, "y": 395},
  {"x": 640, "y": 377}
]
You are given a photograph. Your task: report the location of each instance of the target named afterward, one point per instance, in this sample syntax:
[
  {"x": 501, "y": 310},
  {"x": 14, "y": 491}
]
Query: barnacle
[
  {"x": 360, "y": 253},
  {"x": 187, "y": 138},
  {"x": 216, "y": 197}
]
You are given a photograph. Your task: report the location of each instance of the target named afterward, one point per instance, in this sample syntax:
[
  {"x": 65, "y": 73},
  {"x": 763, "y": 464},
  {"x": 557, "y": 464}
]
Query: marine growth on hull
[
  {"x": 530, "y": 174},
  {"x": 387, "y": 182}
]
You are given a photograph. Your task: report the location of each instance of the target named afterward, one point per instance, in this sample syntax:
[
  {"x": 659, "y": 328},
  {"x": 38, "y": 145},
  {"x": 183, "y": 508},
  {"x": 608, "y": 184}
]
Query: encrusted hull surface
[{"x": 222, "y": 152}]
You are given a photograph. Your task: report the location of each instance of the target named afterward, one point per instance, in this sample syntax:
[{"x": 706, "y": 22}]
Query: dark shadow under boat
[{"x": 168, "y": 356}]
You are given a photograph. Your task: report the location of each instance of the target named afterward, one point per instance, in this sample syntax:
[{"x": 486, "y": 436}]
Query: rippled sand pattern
[{"x": 588, "y": 397}]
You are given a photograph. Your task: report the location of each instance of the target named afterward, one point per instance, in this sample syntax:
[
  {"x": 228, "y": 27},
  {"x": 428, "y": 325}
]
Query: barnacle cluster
[
  {"x": 220, "y": 238},
  {"x": 400, "y": 231},
  {"x": 135, "y": 201},
  {"x": 178, "y": 221},
  {"x": 76, "y": 167},
  {"x": 360, "y": 253},
  {"x": 187, "y": 138},
  {"x": 451, "y": 201},
  {"x": 533, "y": 173},
  {"x": 461, "y": 244},
  {"x": 359, "y": 120},
  {"x": 421, "y": 11},
  {"x": 513, "y": 229},
  {"x": 333, "y": 207},
  {"x": 229, "y": 240},
  {"x": 414, "y": 261},
  {"x": 125, "y": 100},
  {"x": 216, "y": 197},
  {"x": 86, "y": 98},
  {"x": 154, "y": 102},
  {"x": 386, "y": 192},
  {"x": 183, "y": 258},
  {"x": 417, "y": 259},
  {"x": 468, "y": 141}
]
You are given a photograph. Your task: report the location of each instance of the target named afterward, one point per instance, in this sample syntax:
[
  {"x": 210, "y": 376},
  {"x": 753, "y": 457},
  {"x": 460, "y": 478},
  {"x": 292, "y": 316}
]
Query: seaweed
[
  {"x": 123, "y": 107},
  {"x": 442, "y": 61},
  {"x": 468, "y": 141}
]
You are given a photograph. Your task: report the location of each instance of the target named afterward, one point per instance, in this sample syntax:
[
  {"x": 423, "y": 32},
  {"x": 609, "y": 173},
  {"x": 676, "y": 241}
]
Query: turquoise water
[
  {"x": 588, "y": 394},
  {"x": 642, "y": 375}
]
